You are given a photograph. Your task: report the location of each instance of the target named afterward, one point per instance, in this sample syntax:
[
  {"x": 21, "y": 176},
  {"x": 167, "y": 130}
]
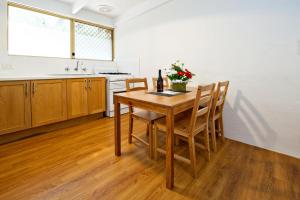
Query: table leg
[
  {"x": 117, "y": 127},
  {"x": 170, "y": 151}
]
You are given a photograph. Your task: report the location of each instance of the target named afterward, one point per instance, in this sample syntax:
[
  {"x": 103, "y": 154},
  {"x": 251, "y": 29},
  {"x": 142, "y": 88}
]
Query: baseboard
[
  {"x": 12, "y": 137},
  {"x": 292, "y": 155}
]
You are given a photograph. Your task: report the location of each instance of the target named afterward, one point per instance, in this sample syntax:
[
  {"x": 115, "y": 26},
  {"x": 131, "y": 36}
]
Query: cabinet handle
[
  {"x": 33, "y": 88},
  {"x": 26, "y": 89},
  {"x": 86, "y": 84},
  {"x": 90, "y": 84}
]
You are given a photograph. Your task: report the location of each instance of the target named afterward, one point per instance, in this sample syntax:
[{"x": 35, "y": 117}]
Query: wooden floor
[{"x": 79, "y": 163}]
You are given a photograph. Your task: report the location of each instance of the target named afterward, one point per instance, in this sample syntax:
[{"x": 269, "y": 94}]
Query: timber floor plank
[{"x": 79, "y": 163}]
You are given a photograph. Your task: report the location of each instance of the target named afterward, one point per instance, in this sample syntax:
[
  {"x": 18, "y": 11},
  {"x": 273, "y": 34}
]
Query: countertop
[{"x": 48, "y": 77}]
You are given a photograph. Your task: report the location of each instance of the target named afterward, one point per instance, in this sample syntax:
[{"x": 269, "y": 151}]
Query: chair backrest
[
  {"x": 219, "y": 98},
  {"x": 166, "y": 82},
  {"x": 202, "y": 105},
  {"x": 136, "y": 82}
]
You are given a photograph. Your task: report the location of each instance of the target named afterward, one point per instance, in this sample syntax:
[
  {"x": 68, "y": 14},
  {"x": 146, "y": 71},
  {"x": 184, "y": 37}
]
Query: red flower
[
  {"x": 188, "y": 74},
  {"x": 180, "y": 73}
]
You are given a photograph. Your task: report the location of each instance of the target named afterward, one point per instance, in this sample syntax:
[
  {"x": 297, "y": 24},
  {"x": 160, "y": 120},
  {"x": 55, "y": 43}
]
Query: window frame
[{"x": 72, "y": 30}]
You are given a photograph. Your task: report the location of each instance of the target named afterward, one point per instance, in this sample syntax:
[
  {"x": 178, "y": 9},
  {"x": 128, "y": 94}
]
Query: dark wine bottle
[{"x": 160, "y": 82}]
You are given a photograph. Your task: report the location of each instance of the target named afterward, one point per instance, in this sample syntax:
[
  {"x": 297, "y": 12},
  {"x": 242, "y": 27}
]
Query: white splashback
[{"x": 129, "y": 65}]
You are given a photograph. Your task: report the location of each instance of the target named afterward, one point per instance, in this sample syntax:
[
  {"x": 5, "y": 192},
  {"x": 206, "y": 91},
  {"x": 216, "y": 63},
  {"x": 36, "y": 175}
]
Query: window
[
  {"x": 32, "y": 32},
  {"x": 92, "y": 42},
  {"x": 36, "y": 34}
]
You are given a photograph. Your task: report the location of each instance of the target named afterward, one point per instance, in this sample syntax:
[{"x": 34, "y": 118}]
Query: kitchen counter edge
[{"x": 47, "y": 77}]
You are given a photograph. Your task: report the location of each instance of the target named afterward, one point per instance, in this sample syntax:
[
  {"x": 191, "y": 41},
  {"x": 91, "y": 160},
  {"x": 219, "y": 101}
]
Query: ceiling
[{"x": 118, "y": 7}]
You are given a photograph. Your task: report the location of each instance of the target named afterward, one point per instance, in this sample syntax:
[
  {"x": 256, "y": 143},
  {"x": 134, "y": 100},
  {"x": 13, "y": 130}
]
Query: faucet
[
  {"x": 77, "y": 65},
  {"x": 84, "y": 69}
]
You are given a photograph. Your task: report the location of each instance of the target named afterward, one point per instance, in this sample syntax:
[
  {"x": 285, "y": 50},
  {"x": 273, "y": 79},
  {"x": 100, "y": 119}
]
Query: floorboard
[{"x": 79, "y": 163}]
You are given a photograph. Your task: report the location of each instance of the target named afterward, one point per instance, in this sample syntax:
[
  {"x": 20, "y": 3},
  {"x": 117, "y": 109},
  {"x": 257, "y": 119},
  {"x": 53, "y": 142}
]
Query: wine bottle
[{"x": 160, "y": 82}]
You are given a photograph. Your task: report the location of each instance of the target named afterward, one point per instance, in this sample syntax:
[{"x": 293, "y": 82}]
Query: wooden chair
[
  {"x": 216, "y": 114},
  {"x": 166, "y": 82},
  {"x": 143, "y": 115},
  {"x": 187, "y": 127}
]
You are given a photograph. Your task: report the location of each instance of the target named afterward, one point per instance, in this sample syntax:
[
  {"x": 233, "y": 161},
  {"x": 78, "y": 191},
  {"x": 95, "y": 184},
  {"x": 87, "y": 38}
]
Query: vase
[{"x": 178, "y": 86}]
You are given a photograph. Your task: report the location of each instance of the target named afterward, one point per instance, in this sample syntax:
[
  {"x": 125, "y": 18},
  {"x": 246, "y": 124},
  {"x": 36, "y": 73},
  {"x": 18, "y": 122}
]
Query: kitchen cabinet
[
  {"x": 34, "y": 103},
  {"x": 96, "y": 95},
  {"x": 15, "y": 112},
  {"x": 48, "y": 101},
  {"x": 77, "y": 98},
  {"x": 86, "y": 96}
]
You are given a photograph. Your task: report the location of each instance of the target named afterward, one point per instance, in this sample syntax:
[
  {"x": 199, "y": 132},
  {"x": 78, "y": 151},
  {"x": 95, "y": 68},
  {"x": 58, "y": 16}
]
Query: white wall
[
  {"x": 15, "y": 65},
  {"x": 254, "y": 44}
]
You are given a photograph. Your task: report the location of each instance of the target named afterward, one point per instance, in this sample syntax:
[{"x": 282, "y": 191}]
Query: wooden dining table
[{"x": 166, "y": 105}]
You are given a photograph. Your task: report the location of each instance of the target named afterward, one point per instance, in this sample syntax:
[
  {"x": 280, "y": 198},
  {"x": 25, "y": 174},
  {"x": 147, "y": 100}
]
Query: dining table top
[{"x": 155, "y": 99}]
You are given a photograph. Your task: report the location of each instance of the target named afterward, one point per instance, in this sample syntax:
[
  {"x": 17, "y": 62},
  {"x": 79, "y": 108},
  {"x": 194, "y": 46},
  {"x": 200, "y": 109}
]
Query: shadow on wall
[{"x": 245, "y": 123}]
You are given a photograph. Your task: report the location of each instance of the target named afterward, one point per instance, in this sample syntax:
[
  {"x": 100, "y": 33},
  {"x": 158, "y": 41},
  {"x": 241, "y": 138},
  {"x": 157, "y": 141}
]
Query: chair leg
[
  {"x": 222, "y": 128},
  {"x": 154, "y": 148},
  {"x": 130, "y": 129},
  {"x": 217, "y": 127},
  {"x": 206, "y": 141},
  {"x": 177, "y": 140},
  {"x": 150, "y": 132},
  {"x": 148, "y": 129},
  {"x": 213, "y": 134},
  {"x": 192, "y": 151}
]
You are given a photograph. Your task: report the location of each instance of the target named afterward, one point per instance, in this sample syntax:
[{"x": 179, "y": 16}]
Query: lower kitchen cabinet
[
  {"x": 48, "y": 101},
  {"x": 77, "y": 98},
  {"x": 86, "y": 96},
  {"x": 96, "y": 95},
  {"x": 34, "y": 103},
  {"x": 15, "y": 112}
]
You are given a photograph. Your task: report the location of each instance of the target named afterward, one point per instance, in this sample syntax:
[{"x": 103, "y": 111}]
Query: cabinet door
[
  {"x": 14, "y": 106},
  {"x": 77, "y": 98},
  {"x": 96, "y": 95},
  {"x": 48, "y": 102}
]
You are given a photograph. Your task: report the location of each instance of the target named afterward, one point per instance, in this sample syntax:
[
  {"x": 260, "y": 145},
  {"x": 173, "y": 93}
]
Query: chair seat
[
  {"x": 147, "y": 115},
  {"x": 182, "y": 124}
]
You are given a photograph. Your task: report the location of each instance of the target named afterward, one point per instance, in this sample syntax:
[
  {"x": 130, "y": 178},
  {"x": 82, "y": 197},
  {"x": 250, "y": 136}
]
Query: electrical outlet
[{"x": 6, "y": 67}]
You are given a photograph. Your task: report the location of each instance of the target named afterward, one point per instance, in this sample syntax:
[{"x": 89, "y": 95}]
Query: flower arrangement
[
  {"x": 179, "y": 76},
  {"x": 177, "y": 73}
]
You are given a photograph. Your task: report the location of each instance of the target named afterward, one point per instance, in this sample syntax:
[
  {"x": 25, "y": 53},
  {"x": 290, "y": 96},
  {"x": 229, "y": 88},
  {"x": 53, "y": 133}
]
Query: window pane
[
  {"x": 35, "y": 34},
  {"x": 92, "y": 42}
]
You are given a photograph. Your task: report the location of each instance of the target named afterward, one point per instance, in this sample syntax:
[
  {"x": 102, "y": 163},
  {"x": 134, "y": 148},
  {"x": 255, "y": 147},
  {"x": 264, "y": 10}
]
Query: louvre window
[{"x": 92, "y": 42}]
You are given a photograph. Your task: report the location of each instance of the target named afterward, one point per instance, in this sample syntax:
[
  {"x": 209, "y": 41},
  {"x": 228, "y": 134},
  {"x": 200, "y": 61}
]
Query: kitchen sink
[{"x": 88, "y": 74}]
